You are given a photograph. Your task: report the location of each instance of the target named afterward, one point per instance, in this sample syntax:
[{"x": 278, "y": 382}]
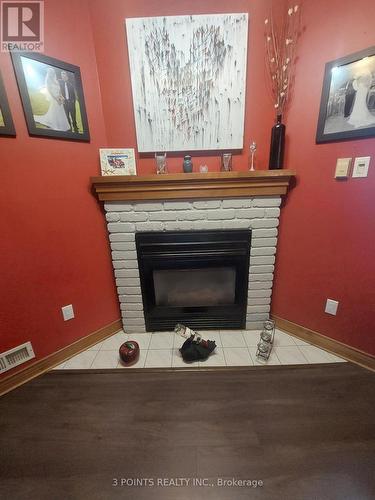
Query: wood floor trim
[
  {"x": 345, "y": 351},
  {"x": 45, "y": 364},
  {"x": 191, "y": 369}
]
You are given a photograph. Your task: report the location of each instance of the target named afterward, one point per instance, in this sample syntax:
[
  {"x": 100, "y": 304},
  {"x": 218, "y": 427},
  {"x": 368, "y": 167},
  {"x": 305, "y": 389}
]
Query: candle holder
[
  {"x": 161, "y": 163},
  {"x": 226, "y": 162},
  {"x": 266, "y": 340}
]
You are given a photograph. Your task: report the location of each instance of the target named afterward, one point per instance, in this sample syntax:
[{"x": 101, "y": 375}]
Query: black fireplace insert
[{"x": 199, "y": 278}]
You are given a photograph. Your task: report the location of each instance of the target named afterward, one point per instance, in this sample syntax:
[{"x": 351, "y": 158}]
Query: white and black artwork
[
  {"x": 347, "y": 108},
  {"x": 188, "y": 80}
]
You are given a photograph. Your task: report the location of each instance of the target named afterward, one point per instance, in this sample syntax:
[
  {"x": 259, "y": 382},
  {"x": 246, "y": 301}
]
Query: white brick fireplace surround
[{"x": 258, "y": 213}]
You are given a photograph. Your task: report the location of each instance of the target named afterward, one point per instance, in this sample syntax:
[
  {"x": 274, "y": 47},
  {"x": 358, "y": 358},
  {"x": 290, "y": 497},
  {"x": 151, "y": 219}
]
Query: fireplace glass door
[
  {"x": 195, "y": 287},
  {"x": 199, "y": 278}
]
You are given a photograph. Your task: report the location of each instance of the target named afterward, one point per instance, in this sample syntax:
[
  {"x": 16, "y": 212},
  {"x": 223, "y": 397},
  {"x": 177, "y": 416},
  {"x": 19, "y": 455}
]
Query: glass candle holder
[
  {"x": 268, "y": 331},
  {"x": 226, "y": 162},
  {"x": 263, "y": 350},
  {"x": 161, "y": 163}
]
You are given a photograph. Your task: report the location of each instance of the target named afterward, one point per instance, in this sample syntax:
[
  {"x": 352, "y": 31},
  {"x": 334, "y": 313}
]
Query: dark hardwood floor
[{"x": 307, "y": 432}]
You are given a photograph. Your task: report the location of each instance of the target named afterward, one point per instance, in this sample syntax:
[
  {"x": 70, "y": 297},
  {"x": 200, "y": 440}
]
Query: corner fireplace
[
  {"x": 212, "y": 201},
  {"x": 194, "y": 277}
]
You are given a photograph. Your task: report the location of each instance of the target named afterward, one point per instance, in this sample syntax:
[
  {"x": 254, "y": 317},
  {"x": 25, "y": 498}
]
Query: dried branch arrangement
[{"x": 281, "y": 41}]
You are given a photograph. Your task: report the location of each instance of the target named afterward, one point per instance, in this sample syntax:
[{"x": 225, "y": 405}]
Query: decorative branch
[{"x": 280, "y": 49}]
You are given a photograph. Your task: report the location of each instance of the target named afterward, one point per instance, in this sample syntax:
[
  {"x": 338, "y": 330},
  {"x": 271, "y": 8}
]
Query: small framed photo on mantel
[
  {"x": 117, "y": 161},
  {"x": 347, "y": 107}
]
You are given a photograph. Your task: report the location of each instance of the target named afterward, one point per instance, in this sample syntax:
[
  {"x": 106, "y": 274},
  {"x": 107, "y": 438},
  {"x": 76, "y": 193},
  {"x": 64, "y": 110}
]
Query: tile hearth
[{"x": 234, "y": 348}]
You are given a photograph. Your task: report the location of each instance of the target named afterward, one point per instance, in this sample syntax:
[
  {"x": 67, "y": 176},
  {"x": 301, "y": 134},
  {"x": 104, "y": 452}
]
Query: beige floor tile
[
  {"x": 113, "y": 343},
  {"x": 290, "y": 355},
  {"x": 232, "y": 338},
  {"x": 251, "y": 337},
  {"x": 283, "y": 339},
  {"x": 299, "y": 342},
  {"x": 314, "y": 354},
  {"x": 106, "y": 359},
  {"x": 334, "y": 358},
  {"x": 237, "y": 356},
  {"x": 162, "y": 340},
  {"x": 159, "y": 358},
  {"x": 81, "y": 362}
]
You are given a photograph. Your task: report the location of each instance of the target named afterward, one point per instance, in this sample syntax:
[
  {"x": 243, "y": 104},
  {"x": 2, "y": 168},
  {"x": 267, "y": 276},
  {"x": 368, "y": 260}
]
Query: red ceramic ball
[{"x": 129, "y": 352}]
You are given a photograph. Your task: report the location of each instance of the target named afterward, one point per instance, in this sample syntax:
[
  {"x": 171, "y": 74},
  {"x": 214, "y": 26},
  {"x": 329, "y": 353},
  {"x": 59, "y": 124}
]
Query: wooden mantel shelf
[{"x": 192, "y": 186}]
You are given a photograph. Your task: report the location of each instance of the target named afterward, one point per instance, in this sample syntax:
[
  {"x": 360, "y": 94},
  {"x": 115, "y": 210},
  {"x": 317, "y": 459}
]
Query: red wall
[
  {"x": 108, "y": 19},
  {"x": 325, "y": 247},
  {"x": 327, "y": 234},
  {"x": 54, "y": 248}
]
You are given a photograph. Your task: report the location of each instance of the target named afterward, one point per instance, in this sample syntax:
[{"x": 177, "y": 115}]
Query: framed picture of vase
[
  {"x": 6, "y": 121},
  {"x": 347, "y": 107},
  {"x": 52, "y": 96},
  {"x": 188, "y": 76}
]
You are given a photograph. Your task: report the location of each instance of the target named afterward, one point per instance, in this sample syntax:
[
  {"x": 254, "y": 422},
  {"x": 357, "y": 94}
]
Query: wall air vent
[{"x": 16, "y": 356}]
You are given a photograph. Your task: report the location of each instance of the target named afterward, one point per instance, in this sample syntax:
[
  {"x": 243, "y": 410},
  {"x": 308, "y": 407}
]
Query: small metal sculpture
[
  {"x": 253, "y": 148},
  {"x": 265, "y": 343}
]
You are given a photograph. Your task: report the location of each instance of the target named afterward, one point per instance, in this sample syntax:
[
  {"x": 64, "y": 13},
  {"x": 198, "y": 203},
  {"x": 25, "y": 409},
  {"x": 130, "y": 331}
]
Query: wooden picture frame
[
  {"x": 347, "y": 106},
  {"x": 6, "y": 120},
  {"x": 52, "y": 96}
]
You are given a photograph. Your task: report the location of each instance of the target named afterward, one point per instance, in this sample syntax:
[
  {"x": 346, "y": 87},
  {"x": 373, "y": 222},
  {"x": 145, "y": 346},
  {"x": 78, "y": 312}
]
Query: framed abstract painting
[{"x": 188, "y": 77}]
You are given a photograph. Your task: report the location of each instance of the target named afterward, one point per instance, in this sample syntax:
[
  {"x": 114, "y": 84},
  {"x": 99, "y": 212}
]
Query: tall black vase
[{"x": 277, "y": 145}]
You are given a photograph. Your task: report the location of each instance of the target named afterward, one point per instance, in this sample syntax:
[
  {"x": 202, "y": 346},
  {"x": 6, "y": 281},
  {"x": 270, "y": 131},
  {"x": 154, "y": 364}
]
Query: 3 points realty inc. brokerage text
[{"x": 183, "y": 482}]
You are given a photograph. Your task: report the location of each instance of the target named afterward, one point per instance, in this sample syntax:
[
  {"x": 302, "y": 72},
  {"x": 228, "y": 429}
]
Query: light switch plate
[
  {"x": 342, "y": 168},
  {"x": 67, "y": 312},
  {"x": 331, "y": 307},
  {"x": 361, "y": 164}
]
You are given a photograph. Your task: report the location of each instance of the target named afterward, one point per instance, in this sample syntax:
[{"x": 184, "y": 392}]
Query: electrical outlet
[
  {"x": 331, "y": 307},
  {"x": 67, "y": 312}
]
